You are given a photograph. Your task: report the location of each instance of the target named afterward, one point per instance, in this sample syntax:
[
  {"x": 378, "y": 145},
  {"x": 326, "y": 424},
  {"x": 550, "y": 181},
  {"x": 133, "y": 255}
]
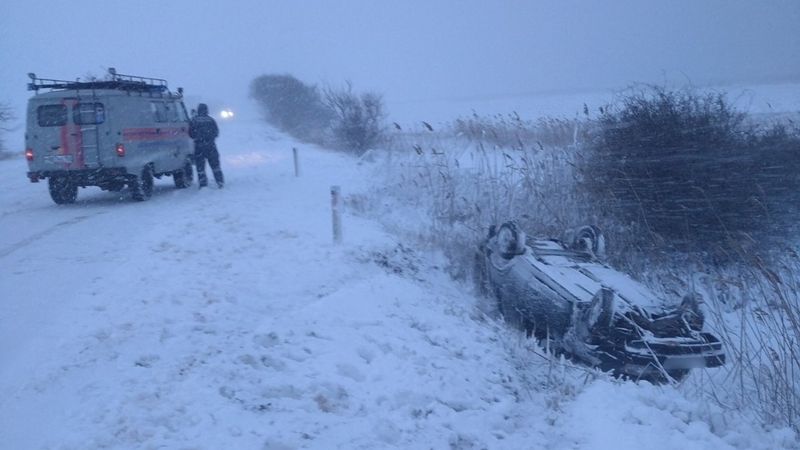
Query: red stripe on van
[
  {"x": 150, "y": 133},
  {"x": 63, "y": 141}
]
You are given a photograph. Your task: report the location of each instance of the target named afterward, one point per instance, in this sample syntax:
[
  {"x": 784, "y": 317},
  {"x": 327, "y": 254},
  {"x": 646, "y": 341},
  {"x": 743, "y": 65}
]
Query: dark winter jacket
[{"x": 203, "y": 129}]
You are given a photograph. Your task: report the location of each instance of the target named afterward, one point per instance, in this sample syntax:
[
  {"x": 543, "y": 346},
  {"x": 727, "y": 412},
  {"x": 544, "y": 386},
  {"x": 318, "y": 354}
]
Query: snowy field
[
  {"x": 229, "y": 319},
  {"x": 759, "y": 101}
]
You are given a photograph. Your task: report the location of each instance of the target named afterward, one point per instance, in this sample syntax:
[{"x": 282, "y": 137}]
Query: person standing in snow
[{"x": 204, "y": 131}]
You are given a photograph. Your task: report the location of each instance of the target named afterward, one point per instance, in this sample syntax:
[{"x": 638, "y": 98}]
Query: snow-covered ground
[{"x": 209, "y": 319}]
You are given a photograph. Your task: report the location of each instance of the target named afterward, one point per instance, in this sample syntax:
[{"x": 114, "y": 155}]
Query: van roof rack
[{"x": 115, "y": 81}]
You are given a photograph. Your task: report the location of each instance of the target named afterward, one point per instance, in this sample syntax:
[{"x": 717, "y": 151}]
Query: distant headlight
[{"x": 226, "y": 113}]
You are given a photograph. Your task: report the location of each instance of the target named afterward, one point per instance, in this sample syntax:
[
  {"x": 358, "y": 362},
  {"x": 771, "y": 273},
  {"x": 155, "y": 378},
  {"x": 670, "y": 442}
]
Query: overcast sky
[{"x": 407, "y": 50}]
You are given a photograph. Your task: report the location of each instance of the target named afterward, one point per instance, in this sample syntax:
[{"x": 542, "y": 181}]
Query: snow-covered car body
[{"x": 560, "y": 290}]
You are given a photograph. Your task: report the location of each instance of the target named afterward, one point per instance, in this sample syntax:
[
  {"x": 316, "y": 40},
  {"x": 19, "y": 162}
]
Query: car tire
[
  {"x": 62, "y": 190},
  {"x": 591, "y": 240},
  {"x": 510, "y": 240},
  {"x": 142, "y": 186},
  {"x": 183, "y": 177}
]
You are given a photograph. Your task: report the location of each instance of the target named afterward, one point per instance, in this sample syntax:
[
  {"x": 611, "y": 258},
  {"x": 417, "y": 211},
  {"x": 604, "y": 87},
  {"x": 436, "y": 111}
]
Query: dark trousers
[{"x": 213, "y": 161}]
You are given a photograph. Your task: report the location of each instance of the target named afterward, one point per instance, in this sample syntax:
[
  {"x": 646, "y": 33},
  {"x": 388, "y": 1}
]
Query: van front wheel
[
  {"x": 142, "y": 186},
  {"x": 62, "y": 190}
]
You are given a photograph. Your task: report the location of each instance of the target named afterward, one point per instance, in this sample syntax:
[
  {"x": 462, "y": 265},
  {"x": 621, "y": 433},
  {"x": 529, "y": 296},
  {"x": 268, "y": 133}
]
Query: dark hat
[{"x": 202, "y": 109}]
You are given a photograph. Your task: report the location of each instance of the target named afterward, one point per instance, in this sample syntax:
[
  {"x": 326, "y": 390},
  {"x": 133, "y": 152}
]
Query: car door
[{"x": 522, "y": 283}]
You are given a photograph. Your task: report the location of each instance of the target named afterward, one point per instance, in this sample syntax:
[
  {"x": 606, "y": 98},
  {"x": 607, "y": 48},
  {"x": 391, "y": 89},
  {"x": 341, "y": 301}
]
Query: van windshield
[{"x": 51, "y": 115}]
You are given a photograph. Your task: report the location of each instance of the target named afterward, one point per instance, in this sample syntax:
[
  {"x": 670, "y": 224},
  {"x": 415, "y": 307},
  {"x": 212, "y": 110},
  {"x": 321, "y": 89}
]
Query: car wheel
[
  {"x": 510, "y": 240},
  {"x": 142, "y": 187},
  {"x": 590, "y": 239},
  {"x": 62, "y": 190},
  {"x": 183, "y": 177}
]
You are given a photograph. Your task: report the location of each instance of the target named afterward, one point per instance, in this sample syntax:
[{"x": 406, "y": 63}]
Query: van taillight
[
  {"x": 120, "y": 149},
  {"x": 29, "y": 154}
]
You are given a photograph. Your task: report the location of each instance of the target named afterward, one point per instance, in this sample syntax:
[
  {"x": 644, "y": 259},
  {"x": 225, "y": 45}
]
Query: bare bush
[
  {"x": 683, "y": 165},
  {"x": 292, "y": 106},
  {"x": 357, "y": 124},
  {"x": 339, "y": 118},
  {"x": 6, "y": 117}
]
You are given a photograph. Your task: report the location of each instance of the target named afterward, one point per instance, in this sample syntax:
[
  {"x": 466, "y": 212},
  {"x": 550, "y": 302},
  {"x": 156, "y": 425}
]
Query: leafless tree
[
  {"x": 6, "y": 116},
  {"x": 358, "y": 119}
]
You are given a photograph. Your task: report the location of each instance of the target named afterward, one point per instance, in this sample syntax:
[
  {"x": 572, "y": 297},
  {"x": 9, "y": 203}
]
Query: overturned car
[{"x": 560, "y": 290}]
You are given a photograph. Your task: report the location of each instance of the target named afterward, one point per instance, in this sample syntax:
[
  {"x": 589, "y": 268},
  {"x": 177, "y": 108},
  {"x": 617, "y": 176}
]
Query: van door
[
  {"x": 55, "y": 137},
  {"x": 89, "y": 116},
  {"x": 66, "y": 136}
]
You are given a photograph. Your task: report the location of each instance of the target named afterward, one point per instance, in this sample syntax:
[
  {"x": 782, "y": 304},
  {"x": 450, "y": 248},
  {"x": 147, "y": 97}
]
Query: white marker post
[
  {"x": 296, "y": 162},
  {"x": 337, "y": 220}
]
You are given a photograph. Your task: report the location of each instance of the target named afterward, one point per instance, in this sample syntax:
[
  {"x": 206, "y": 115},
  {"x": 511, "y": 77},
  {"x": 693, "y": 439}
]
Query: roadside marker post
[{"x": 337, "y": 219}]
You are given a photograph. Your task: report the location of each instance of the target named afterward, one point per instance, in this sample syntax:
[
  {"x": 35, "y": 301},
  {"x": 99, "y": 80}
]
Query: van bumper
[{"x": 83, "y": 177}]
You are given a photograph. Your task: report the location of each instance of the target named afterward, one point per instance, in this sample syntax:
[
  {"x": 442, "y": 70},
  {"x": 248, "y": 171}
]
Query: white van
[{"x": 122, "y": 131}]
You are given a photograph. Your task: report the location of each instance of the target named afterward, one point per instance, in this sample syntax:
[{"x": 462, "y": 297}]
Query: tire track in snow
[{"x": 33, "y": 238}]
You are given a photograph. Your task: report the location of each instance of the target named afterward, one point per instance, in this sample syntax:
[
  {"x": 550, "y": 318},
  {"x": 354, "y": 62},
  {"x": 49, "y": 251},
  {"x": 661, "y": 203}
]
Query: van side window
[
  {"x": 172, "y": 112},
  {"x": 180, "y": 108},
  {"x": 159, "y": 111},
  {"x": 51, "y": 115},
  {"x": 88, "y": 113}
]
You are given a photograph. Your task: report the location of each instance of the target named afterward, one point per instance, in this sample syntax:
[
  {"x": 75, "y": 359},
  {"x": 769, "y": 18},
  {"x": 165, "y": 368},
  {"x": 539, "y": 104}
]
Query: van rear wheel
[
  {"x": 142, "y": 186},
  {"x": 62, "y": 190}
]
